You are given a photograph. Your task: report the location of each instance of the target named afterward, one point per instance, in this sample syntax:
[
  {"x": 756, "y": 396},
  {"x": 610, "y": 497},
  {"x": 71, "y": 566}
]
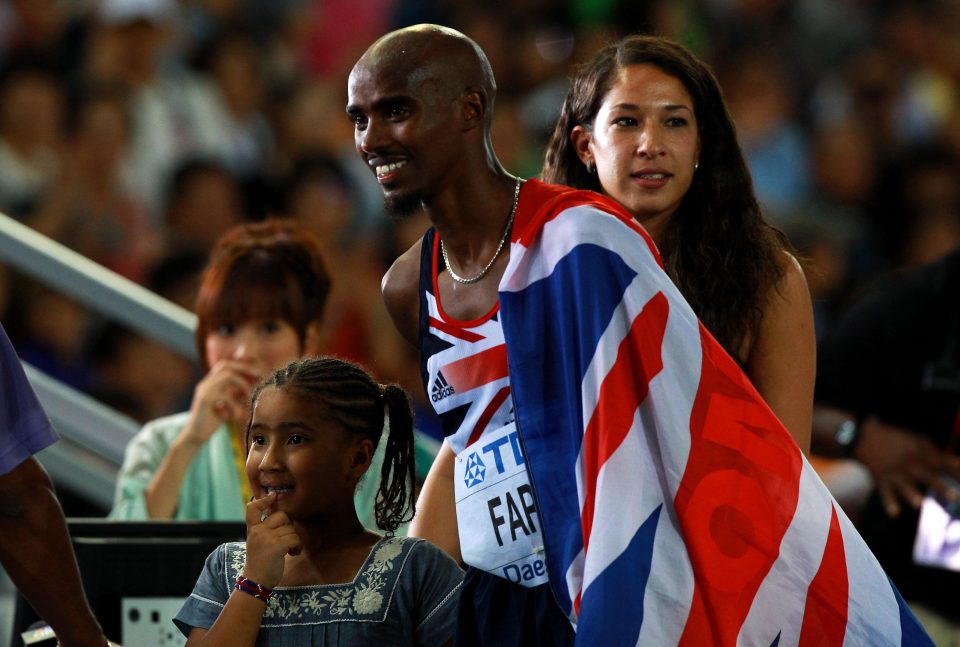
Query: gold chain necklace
[{"x": 503, "y": 239}]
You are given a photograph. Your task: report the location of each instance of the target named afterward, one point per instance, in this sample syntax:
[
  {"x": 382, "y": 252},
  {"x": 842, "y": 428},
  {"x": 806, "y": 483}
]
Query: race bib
[{"x": 496, "y": 512}]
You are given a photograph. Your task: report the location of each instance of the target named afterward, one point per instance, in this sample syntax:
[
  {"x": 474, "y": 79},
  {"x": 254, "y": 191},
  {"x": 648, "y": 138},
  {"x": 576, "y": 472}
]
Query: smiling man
[
  {"x": 608, "y": 473},
  {"x": 421, "y": 100}
]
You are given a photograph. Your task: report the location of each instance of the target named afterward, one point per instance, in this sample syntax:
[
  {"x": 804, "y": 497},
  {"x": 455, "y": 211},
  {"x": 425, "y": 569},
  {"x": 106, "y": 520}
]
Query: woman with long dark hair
[{"x": 644, "y": 122}]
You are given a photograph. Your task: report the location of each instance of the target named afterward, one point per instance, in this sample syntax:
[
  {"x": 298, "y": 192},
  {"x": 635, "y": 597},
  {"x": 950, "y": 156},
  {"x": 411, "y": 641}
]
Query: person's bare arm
[
  {"x": 36, "y": 552},
  {"x": 436, "y": 518},
  {"x": 903, "y": 464},
  {"x": 782, "y": 362},
  {"x": 268, "y": 541},
  {"x": 220, "y": 396},
  {"x": 400, "y": 288}
]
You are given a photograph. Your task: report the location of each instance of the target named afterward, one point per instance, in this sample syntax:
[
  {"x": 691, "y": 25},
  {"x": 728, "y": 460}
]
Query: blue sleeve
[
  {"x": 438, "y": 580},
  {"x": 25, "y": 428},
  {"x": 209, "y": 596}
]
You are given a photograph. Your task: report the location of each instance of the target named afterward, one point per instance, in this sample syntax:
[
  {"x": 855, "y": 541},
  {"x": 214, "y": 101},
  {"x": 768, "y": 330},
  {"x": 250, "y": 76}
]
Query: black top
[{"x": 894, "y": 355}]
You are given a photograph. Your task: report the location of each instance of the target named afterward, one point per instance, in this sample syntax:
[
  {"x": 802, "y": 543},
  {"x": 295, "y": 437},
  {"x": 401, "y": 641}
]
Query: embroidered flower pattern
[
  {"x": 363, "y": 597},
  {"x": 238, "y": 560},
  {"x": 367, "y": 600},
  {"x": 337, "y": 601},
  {"x": 311, "y": 602},
  {"x": 383, "y": 558}
]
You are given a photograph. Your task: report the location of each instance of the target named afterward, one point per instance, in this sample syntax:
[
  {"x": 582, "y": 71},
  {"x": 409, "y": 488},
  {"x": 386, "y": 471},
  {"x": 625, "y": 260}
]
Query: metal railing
[
  {"x": 93, "y": 435},
  {"x": 100, "y": 289}
]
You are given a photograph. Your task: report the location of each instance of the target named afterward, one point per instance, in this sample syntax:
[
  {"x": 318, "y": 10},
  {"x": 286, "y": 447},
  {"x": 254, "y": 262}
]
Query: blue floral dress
[{"x": 405, "y": 593}]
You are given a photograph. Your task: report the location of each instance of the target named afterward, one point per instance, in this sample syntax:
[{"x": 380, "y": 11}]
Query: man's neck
[{"x": 471, "y": 219}]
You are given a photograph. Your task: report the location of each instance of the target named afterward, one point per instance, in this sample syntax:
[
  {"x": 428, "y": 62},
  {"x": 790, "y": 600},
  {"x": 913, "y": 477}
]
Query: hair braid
[
  {"x": 397, "y": 476},
  {"x": 357, "y": 402}
]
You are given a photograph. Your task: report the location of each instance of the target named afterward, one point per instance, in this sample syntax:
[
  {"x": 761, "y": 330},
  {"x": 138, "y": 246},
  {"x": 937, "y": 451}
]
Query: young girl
[
  {"x": 309, "y": 573},
  {"x": 259, "y": 306}
]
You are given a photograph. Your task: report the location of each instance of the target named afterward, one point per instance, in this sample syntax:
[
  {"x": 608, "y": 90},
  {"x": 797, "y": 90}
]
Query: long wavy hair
[{"x": 718, "y": 248}]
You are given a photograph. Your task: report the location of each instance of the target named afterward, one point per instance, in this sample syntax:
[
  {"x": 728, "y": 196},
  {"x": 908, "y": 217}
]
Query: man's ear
[
  {"x": 473, "y": 107},
  {"x": 581, "y": 138}
]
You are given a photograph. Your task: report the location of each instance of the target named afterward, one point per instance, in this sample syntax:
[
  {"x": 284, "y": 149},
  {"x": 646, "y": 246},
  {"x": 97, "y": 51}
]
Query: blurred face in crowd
[
  {"x": 31, "y": 110},
  {"x": 644, "y": 143},
  {"x": 264, "y": 344}
]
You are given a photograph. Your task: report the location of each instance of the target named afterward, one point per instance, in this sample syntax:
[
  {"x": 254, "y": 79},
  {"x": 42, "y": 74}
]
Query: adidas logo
[{"x": 440, "y": 389}]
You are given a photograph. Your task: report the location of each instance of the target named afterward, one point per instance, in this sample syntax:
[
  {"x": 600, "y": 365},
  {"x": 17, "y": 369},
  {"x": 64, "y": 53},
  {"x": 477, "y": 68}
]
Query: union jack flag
[{"x": 676, "y": 508}]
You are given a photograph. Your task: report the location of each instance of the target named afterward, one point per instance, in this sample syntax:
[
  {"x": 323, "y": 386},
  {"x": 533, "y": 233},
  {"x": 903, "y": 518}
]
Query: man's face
[{"x": 405, "y": 130}]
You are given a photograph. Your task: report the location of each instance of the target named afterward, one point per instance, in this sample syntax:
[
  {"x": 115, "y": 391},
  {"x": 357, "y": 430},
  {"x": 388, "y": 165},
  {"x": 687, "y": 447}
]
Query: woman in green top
[{"x": 259, "y": 306}]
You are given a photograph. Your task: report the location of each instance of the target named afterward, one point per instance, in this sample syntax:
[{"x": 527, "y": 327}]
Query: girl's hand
[
  {"x": 270, "y": 537},
  {"x": 221, "y": 396}
]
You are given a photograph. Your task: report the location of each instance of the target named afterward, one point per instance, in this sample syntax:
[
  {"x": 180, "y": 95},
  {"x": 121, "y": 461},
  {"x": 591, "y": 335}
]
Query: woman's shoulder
[
  {"x": 165, "y": 425},
  {"x": 155, "y": 437},
  {"x": 792, "y": 284}
]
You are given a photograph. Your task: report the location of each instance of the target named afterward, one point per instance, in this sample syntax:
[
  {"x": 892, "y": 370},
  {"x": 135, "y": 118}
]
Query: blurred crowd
[{"x": 137, "y": 131}]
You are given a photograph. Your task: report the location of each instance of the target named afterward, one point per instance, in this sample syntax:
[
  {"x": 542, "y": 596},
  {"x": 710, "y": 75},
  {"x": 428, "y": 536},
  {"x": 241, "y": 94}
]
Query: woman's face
[
  {"x": 644, "y": 143},
  {"x": 265, "y": 344}
]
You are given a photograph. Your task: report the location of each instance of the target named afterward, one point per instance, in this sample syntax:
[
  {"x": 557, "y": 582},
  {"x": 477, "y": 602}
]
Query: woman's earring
[
  {"x": 591, "y": 169},
  {"x": 696, "y": 165}
]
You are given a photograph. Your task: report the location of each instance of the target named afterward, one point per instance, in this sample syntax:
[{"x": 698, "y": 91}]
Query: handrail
[
  {"x": 85, "y": 420},
  {"x": 94, "y": 436},
  {"x": 99, "y": 288}
]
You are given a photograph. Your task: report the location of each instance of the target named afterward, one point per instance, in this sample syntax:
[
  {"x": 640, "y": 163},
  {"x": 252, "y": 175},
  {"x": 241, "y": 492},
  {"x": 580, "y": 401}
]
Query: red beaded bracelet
[{"x": 252, "y": 588}]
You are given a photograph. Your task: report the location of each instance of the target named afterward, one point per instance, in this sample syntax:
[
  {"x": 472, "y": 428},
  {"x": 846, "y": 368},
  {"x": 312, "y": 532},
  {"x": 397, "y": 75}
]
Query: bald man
[{"x": 421, "y": 100}]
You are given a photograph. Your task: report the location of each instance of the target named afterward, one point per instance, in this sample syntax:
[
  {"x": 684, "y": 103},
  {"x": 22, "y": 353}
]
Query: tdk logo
[
  {"x": 499, "y": 458},
  {"x": 440, "y": 389},
  {"x": 476, "y": 470}
]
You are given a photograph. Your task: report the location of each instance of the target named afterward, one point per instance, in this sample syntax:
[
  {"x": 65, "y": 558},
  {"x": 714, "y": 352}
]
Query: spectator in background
[
  {"x": 176, "y": 276},
  {"x": 31, "y": 114},
  {"x": 35, "y": 548},
  {"x": 261, "y": 301},
  {"x": 137, "y": 375},
  {"x": 51, "y": 330},
  {"x": 311, "y": 123},
  {"x": 203, "y": 203},
  {"x": 92, "y": 207},
  {"x": 233, "y": 63},
  {"x": 888, "y": 395},
  {"x": 175, "y": 113},
  {"x": 923, "y": 218},
  {"x": 48, "y": 33},
  {"x": 319, "y": 196},
  {"x": 356, "y": 325},
  {"x": 774, "y": 145},
  {"x": 831, "y": 229}
]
